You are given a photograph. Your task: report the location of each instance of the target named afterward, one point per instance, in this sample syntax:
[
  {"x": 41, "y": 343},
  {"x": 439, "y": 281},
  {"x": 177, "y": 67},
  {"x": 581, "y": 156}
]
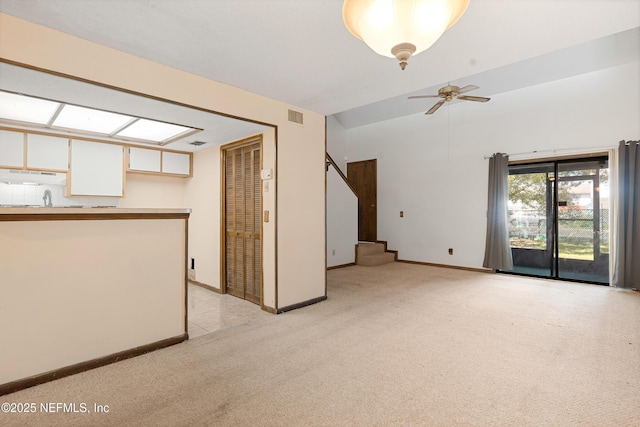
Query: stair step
[
  {"x": 376, "y": 259},
  {"x": 370, "y": 248},
  {"x": 374, "y": 253}
]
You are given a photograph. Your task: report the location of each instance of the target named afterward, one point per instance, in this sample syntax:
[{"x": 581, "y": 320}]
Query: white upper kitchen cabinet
[
  {"x": 47, "y": 152},
  {"x": 176, "y": 163},
  {"x": 11, "y": 149},
  {"x": 97, "y": 169},
  {"x": 144, "y": 160}
]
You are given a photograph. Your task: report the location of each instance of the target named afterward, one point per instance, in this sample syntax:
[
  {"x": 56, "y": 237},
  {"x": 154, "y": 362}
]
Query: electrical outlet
[
  {"x": 333, "y": 252},
  {"x": 450, "y": 251},
  {"x": 191, "y": 274}
]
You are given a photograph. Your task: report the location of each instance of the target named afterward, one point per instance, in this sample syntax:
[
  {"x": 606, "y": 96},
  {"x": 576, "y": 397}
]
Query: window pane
[{"x": 527, "y": 210}]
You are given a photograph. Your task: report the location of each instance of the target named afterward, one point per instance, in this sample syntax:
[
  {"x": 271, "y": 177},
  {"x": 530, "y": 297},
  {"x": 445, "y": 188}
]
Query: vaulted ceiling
[{"x": 299, "y": 51}]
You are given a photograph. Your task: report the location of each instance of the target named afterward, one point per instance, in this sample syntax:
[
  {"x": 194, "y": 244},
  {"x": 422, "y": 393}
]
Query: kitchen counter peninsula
[
  {"x": 84, "y": 287},
  {"x": 62, "y": 213}
]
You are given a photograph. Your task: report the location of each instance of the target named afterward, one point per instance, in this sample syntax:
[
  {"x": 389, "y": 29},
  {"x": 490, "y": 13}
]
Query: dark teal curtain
[
  {"x": 497, "y": 253},
  {"x": 627, "y": 268}
]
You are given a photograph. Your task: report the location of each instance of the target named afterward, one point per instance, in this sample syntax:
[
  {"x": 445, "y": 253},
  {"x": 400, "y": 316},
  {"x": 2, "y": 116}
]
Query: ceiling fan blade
[
  {"x": 424, "y": 96},
  {"x": 435, "y": 107},
  {"x": 474, "y": 98},
  {"x": 468, "y": 88}
]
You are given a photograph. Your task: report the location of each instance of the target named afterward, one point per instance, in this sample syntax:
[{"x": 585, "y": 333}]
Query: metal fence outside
[{"x": 574, "y": 225}]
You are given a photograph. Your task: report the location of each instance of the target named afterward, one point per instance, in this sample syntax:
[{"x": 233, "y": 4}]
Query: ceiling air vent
[
  {"x": 295, "y": 117},
  {"x": 197, "y": 143}
]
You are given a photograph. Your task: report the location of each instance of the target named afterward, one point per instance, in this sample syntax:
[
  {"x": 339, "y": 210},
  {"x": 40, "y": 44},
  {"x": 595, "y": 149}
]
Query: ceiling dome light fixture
[{"x": 401, "y": 28}]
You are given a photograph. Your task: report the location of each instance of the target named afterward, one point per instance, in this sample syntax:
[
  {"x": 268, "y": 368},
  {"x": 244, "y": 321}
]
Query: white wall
[
  {"x": 342, "y": 203},
  {"x": 301, "y": 213},
  {"x": 203, "y": 197},
  {"x": 342, "y": 220},
  {"x": 153, "y": 191},
  {"x": 337, "y": 143},
  {"x": 433, "y": 167},
  {"x": 269, "y": 230}
]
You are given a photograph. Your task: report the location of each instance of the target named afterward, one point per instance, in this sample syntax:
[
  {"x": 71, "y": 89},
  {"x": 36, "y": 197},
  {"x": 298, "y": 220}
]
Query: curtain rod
[{"x": 556, "y": 150}]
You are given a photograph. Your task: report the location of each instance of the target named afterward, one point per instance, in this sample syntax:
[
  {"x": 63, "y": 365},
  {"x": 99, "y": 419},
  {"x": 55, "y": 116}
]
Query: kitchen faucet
[{"x": 47, "y": 199}]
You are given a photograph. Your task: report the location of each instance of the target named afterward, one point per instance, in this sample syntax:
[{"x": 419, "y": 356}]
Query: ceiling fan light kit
[{"x": 401, "y": 28}]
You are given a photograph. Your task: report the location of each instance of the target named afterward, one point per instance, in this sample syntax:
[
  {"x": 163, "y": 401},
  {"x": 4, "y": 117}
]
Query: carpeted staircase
[{"x": 370, "y": 254}]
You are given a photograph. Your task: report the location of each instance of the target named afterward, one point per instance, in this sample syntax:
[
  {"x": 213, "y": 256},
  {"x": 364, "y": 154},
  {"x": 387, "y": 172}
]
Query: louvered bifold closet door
[
  {"x": 243, "y": 222},
  {"x": 252, "y": 224},
  {"x": 257, "y": 222},
  {"x": 235, "y": 223}
]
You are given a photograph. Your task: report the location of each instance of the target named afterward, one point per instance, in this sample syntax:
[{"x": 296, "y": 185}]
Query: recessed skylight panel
[
  {"x": 59, "y": 115},
  {"x": 152, "y": 130},
  {"x": 26, "y": 108},
  {"x": 88, "y": 119}
]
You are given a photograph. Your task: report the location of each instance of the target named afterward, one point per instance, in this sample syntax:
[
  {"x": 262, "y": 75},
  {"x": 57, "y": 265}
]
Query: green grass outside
[{"x": 568, "y": 249}]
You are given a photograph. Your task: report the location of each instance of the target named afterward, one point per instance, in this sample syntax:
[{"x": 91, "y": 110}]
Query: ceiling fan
[{"x": 450, "y": 92}]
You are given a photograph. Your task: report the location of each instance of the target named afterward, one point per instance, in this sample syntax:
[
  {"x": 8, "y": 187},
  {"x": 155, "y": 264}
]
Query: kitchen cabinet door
[
  {"x": 176, "y": 163},
  {"x": 47, "y": 152},
  {"x": 97, "y": 169},
  {"x": 12, "y": 149},
  {"x": 145, "y": 160}
]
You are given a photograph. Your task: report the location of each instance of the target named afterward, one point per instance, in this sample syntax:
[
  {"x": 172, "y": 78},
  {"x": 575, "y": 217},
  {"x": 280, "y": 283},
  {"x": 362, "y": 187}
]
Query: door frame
[
  {"x": 223, "y": 213},
  {"x": 561, "y": 265},
  {"x": 557, "y": 264}
]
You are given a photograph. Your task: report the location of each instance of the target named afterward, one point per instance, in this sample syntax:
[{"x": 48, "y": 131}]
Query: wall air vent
[
  {"x": 295, "y": 117},
  {"x": 197, "y": 143}
]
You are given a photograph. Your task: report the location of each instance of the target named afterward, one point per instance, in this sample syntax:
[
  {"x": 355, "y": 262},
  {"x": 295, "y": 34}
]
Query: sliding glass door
[{"x": 559, "y": 219}]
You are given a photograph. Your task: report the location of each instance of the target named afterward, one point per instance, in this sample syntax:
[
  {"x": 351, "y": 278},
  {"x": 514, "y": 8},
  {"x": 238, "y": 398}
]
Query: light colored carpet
[{"x": 397, "y": 344}]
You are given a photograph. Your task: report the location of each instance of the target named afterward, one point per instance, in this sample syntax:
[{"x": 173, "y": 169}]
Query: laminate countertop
[{"x": 59, "y": 214}]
